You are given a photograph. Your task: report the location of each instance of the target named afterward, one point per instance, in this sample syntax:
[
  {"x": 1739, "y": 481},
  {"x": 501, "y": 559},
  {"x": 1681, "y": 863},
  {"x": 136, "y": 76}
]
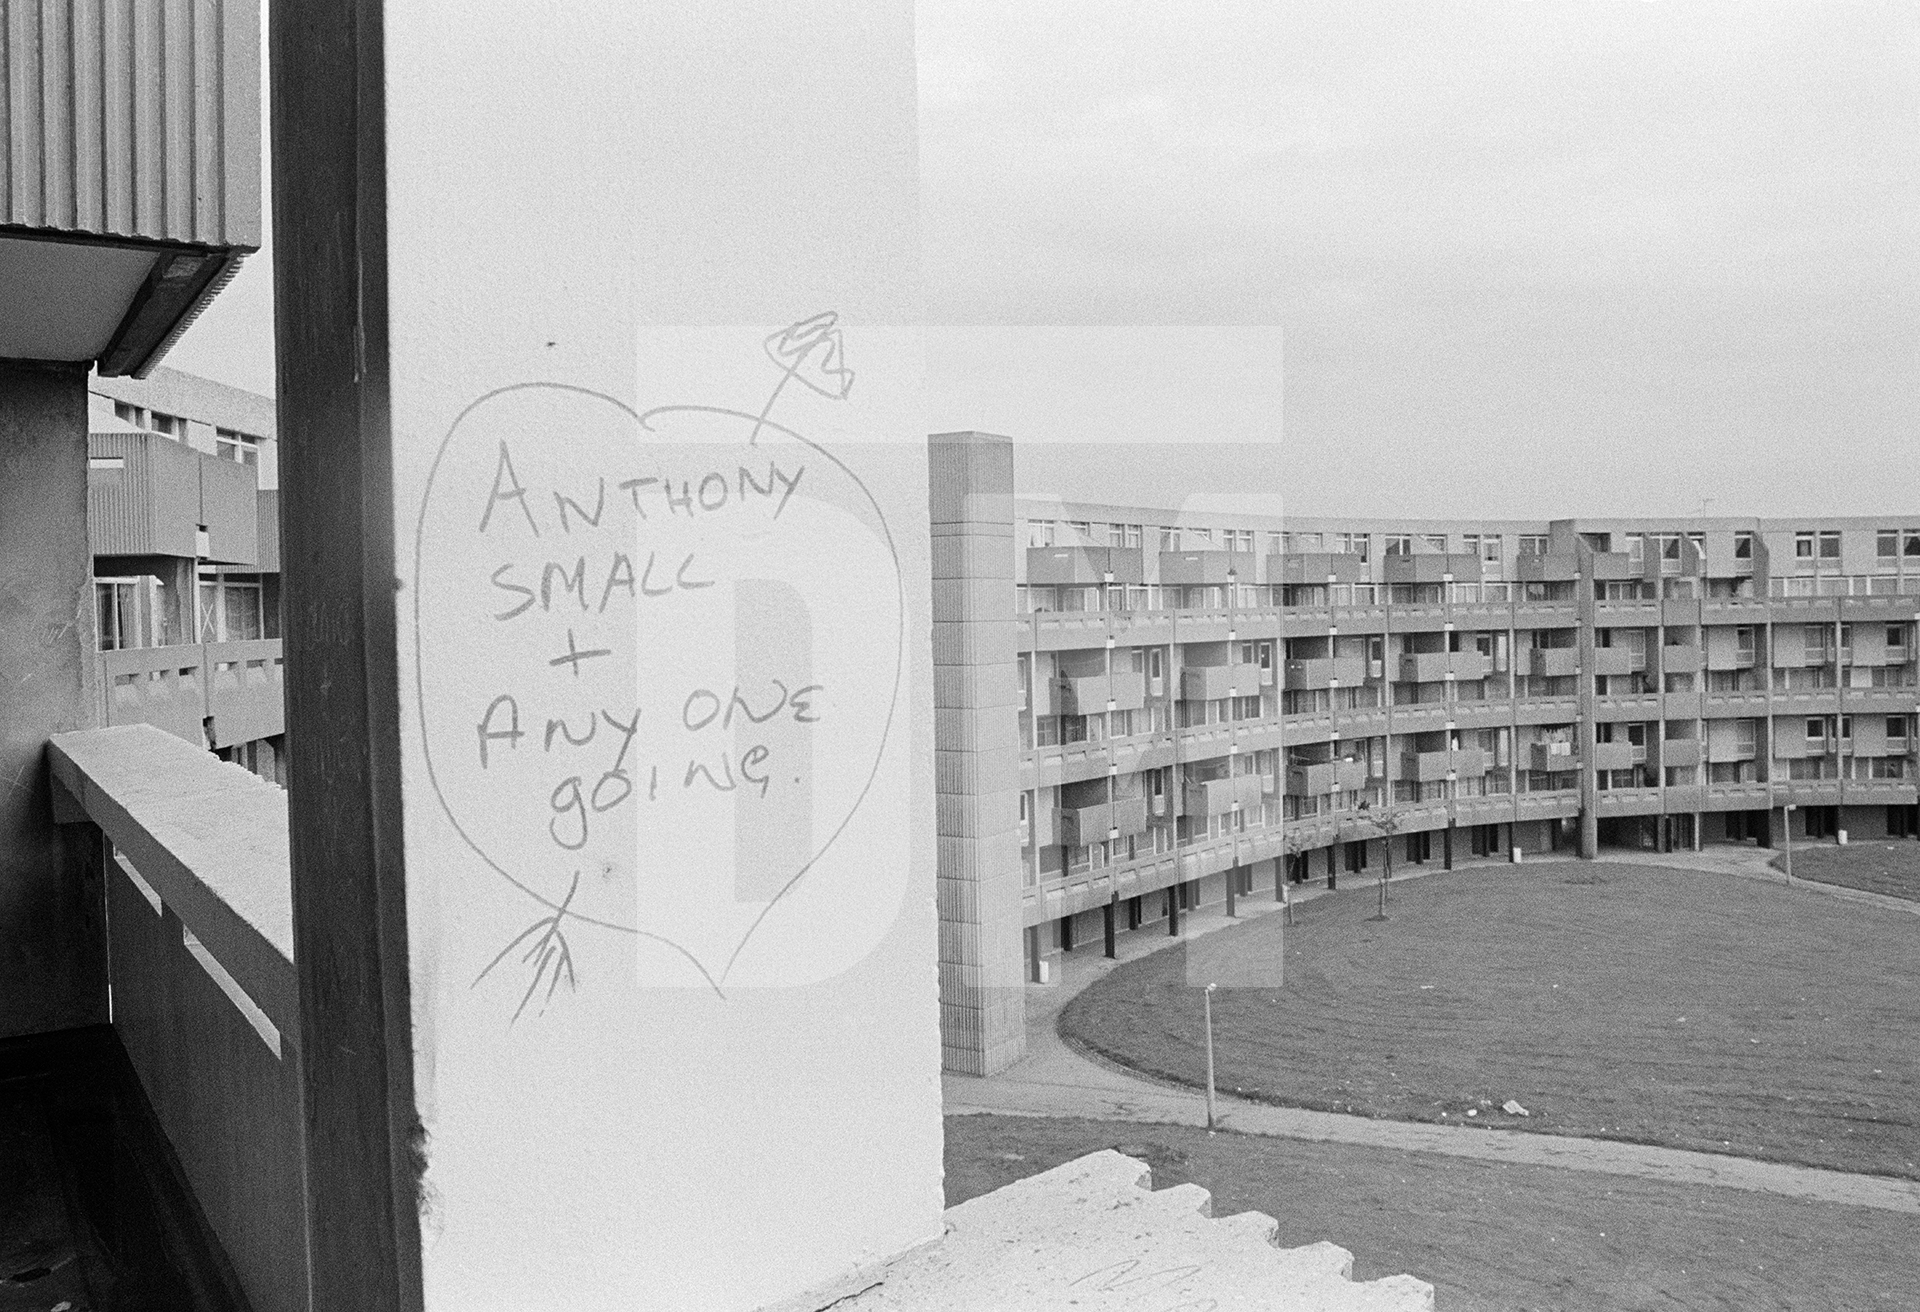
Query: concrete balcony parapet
[{"x": 206, "y": 1001}]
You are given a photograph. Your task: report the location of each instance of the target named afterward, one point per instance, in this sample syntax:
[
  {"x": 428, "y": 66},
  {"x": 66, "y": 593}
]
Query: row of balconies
[{"x": 1127, "y": 690}]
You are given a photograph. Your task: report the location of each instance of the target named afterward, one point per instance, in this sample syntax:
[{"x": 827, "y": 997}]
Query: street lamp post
[
  {"x": 1208, "y": 1001},
  {"x": 1786, "y": 834}
]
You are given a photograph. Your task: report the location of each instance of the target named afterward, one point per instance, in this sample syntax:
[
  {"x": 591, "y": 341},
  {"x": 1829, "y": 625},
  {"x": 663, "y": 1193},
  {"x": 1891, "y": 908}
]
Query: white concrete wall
[{"x": 621, "y": 204}]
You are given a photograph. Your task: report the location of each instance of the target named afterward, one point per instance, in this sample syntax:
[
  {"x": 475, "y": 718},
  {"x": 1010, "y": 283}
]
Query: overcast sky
[{"x": 1536, "y": 257}]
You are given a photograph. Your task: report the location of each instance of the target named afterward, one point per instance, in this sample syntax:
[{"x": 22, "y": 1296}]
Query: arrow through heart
[{"x": 657, "y": 659}]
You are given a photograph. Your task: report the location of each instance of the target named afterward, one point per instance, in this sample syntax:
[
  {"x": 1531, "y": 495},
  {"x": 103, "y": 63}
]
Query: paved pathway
[{"x": 1054, "y": 1080}]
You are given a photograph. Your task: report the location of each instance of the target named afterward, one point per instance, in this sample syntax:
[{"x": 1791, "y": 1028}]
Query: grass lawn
[
  {"x": 1657, "y": 1006},
  {"x": 1890, "y": 867},
  {"x": 1491, "y": 1237}
]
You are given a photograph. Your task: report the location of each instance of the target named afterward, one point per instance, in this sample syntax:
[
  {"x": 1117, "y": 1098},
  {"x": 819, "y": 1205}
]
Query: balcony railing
[
  {"x": 200, "y": 963},
  {"x": 1845, "y": 585},
  {"x": 215, "y": 694}
]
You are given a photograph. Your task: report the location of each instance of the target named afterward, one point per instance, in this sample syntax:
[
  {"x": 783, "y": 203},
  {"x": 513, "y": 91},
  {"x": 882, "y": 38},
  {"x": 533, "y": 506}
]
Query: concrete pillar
[
  {"x": 1107, "y": 919},
  {"x": 53, "y": 966},
  {"x": 1698, "y": 826},
  {"x": 1233, "y": 880},
  {"x": 1173, "y": 912},
  {"x": 1066, "y": 933},
  {"x": 976, "y": 729},
  {"x": 1333, "y": 873},
  {"x": 1446, "y": 840}
]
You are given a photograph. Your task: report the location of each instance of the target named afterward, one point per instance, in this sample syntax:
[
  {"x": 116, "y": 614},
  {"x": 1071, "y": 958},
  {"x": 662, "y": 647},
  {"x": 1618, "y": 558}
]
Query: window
[
  {"x": 1669, "y": 546},
  {"x": 131, "y": 414},
  {"x": 1743, "y": 639},
  {"x": 229, "y": 611},
  {"x": 1896, "y": 635},
  {"x": 1846, "y": 727},
  {"x": 1816, "y": 730},
  {"x": 1201, "y": 536},
  {"x": 1886, "y": 543},
  {"x": 1743, "y": 546},
  {"x": 1303, "y": 541},
  {"x": 1134, "y": 532},
  {"x": 1533, "y": 544},
  {"x": 1911, "y": 543},
  {"x": 1803, "y": 546},
  {"x": 1039, "y": 532},
  {"x": 119, "y": 616},
  {"x": 1470, "y": 543},
  {"x": 171, "y": 425},
  {"x": 1353, "y": 544},
  {"x": 1244, "y": 541},
  {"x": 1082, "y": 527},
  {"x": 1399, "y": 544},
  {"x": 1438, "y": 541},
  {"x": 1636, "y": 547},
  {"x": 241, "y": 448},
  {"x": 1699, "y": 541},
  {"x": 1896, "y": 728},
  {"x": 1169, "y": 538},
  {"x": 1829, "y": 546},
  {"x": 1490, "y": 548},
  {"x": 1116, "y": 535}
]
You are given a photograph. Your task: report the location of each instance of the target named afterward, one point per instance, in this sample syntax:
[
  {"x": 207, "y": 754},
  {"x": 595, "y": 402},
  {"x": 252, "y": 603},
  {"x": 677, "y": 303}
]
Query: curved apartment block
[{"x": 1205, "y": 705}]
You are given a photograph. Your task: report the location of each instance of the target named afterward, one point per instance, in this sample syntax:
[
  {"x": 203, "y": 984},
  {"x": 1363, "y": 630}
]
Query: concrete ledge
[
  {"x": 1091, "y": 1235},
  {"x": 210, "y": 838}
]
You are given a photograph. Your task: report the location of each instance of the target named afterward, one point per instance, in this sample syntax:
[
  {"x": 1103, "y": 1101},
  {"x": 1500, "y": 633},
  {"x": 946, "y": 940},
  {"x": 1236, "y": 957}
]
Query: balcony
[
  {"x": 218, "y": 694},
  {"x": 1317, "y": 567},
  {"x": 1095, "y": 694},
  {"x": 1430, "y": 767},
  {"x": 1682, "y": 705},
  {"x": 1731, "y": 658},
  {"x": 1436, "y": 666},
  {"x": 1617, "y": 756},
  {"x": 1555, "y": 662},
  {"x": 132, "y": 175},
  {"x": 1439, "y": 567},
  {"x": 1324, "y": 777},
  {"x": 1219, "y": 796},
  {"x": 1083, "y": 566},
  {"x": 1551, "y": 758},
  {"x": 1547, "y": 569},
  {"x": 1615, "y": 660},
  {"x": 1326, "y": 671},
  {"x": 1080, "y": 826},
  {"x": 1208, "y": 683},
  {"x": 205, "y": 1000},
  {"x": 1724, "y": 750},
  {"x": 148, "y": 494},
  {"x": 1680, "y": 751},
  {"x": 1680, "y": 660},
  {"x": 1198, "y": 568}
]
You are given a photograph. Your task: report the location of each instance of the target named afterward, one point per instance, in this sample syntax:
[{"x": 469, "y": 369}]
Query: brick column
[{"x": 977, "y": 753}]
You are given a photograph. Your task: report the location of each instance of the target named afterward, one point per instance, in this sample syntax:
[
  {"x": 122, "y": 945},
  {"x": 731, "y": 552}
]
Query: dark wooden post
[{"x": 343, "y": 717}]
